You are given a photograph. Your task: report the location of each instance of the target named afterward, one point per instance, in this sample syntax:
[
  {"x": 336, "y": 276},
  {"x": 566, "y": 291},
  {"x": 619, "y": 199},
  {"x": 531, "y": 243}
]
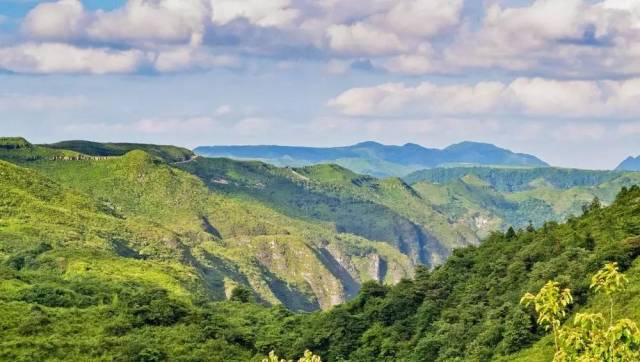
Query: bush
[
  {"x": 242, "y": 294},
  {"x": 50, "y": 296},
  {"x": 154, "y": 307}
]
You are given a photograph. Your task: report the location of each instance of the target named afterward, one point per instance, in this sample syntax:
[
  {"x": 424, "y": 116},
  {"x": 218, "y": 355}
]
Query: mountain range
[
  {"x": 377, "y": 159},
  {"x": 111, "y": 248}
]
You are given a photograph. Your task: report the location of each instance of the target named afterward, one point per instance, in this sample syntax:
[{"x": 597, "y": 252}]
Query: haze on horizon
[{"x": 556, "y": 79}]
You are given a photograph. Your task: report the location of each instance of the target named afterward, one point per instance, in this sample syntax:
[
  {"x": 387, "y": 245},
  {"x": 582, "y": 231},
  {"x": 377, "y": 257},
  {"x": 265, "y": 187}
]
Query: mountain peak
[
  {"x": 412, "y": 145},
  {"x": 629, "y": 164}
]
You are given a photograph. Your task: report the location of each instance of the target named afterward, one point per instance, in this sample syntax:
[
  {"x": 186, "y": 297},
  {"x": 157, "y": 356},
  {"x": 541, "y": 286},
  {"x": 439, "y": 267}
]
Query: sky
[{"x": 559, "y": 79}]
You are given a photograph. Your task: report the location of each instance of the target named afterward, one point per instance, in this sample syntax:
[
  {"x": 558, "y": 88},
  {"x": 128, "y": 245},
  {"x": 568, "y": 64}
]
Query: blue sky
[{"x": 558, "y": 79}]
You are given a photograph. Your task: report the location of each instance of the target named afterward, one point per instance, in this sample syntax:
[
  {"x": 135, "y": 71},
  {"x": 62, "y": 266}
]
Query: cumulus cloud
[
  {"x": 400, "y": 28},
  {"x": 363, "y": 39},
  {"x": 265, "y": 13},
  {"x": 523, "y": 96},
  {"x": 575, "y": 38},
  {"x": 58, "y": 20},
  {"x": 358, "y": 28},
  {"x": 46, "y": 58},
  {"x": 153, "y": 20},
  {"x": 185, "y": 58},
  {"x": 568, "y": 38}
]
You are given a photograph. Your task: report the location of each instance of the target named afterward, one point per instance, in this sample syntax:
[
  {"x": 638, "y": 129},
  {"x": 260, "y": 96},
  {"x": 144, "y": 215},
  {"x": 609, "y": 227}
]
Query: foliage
[
  {"x": 551, "y": 306},
  {"x": 167, "y": 153},
  {"x": 241, "y": 294},
  {"x": 308, "y": 357},
  {"x": 517, "y": 179},
  {"x": 591, "y": 338}
]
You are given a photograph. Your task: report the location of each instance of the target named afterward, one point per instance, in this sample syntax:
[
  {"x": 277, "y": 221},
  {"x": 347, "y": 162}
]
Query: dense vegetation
[
  {"x": 168, "y": 153},
  {"x": 381, "y": 210},
  {"x": 517, "y": 179},
  {"x": 155, "y": 211},
  {"x": 130, "y": 258}
]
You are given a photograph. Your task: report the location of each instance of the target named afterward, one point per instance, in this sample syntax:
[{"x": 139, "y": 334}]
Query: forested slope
[{"x": 134, "y": 257}]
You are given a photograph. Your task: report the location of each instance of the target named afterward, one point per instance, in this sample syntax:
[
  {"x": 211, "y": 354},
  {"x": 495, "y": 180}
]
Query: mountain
[
  {"x": 630, "y": 164},
  {"x": 222, "y": 241},
  {"x": 134, "y": 258},
  {"x": 517, "y": 179},
  {"x": 232, "y": 222},
  {"x": 376, "y": 159},
  {"x": 168, "y": 153}
]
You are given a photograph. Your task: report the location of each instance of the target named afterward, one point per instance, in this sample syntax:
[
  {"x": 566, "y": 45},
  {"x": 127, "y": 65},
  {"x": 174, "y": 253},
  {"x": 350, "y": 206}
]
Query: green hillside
[
  {"x": 224, "y": 241},
  {"x": 468, "y": 309},
  {"x": 506, "y": 179},
  {"x": 496, "y": 198},
  {"x": 382, "y": 210},
  {"x": 167, "y": 153},
  {"x": 18, "y": 149},
  {"x": 129, "y": 258}
]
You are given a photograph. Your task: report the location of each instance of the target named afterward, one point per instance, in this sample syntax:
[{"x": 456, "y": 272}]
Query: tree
[
  {"x": 592, "y": 337},
  {"x": 530, "y": 227},
  {"x": 551, "y": 305},
  {"x": 242, "y": 294},
  {"x": 308, "y": 357},
  {"x": 610, "y": 281},
  {"x": 595, "y": 338},
  {"x": 511, "y": 234}
]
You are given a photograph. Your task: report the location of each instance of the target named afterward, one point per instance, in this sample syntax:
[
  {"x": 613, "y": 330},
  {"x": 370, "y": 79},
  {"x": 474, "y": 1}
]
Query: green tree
[
  {"x": 242, "y": 294},
  {"x": 609, "y": 280},
  {"x": 307, "y": 357},
  {"x": 551, "y": 306},
  {"x": 593, "y": 337}
]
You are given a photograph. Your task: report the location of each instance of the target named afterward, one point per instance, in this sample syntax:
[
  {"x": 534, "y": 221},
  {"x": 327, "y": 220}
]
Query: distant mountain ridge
[
  {"x": 377, "y": 159},
  {"x": 630, "y": 164}
]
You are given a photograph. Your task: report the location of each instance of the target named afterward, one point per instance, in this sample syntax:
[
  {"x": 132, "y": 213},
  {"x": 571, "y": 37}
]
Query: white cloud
[
  {"x": 423, "y": 61},
  {"x": 576, "y": 38},
  {"x": 398, "y": 28},
  {"x": 361, "y": 38},
  {"x": 421, "y": 18},
  {"x": 153, "y": 20},
  {"x": 523, "y": 96},
  {"x": 568, "y": 38},
  {"x": 64, "y": 58},
  {"x": 185, "y": 58},
  {"x": 63, "y": 19},
  {"x": 265, "y": 13}
]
